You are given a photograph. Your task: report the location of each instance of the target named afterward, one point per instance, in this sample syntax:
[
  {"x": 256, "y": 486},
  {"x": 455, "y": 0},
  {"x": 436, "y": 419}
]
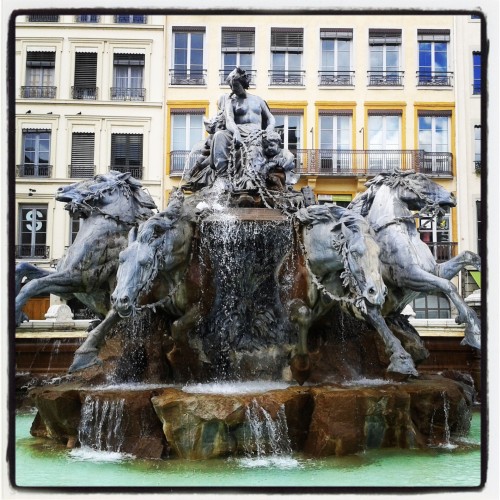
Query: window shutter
[
  {"x": 188, "y": 29},
  {"x": 385, "y": 37},
  {"x": 385, "y": 112},
  {"x": 82, "y": 149},
  {"x": 287, "y": 39},
  {"x": 126, "y": 149},
  {"x": 434, "y": 112},
  {"x": 330, "y": 112},
  {"x": 238, "y": 39},
  {"x": 433, "y": 35},
  {"x": 336, "y": 33},
  {"x": 85, "y": 69},
  {"x": 128, "y": 60},
  {"x": 41, "y": 59}
]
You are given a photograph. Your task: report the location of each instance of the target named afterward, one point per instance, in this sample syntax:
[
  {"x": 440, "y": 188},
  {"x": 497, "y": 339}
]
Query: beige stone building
[{"x": 352, "y": 96}]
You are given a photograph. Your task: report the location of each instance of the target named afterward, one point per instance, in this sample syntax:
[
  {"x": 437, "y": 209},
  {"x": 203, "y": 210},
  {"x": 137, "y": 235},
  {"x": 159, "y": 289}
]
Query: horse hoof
[
  {"x": 402, "y": 365},
  {"x": 300, "y": 368},
  {"x": 84, "y": 360}
]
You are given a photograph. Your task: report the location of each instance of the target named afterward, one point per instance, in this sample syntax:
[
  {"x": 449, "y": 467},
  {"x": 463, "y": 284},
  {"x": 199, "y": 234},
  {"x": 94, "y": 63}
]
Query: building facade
[{"x": 352, "y": 95}]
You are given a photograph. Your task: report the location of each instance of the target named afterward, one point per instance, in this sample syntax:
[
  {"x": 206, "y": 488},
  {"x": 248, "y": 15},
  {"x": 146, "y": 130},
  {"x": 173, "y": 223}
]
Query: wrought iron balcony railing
[
  {"x": 434, "y": 78},
  {"x": 443, "y": 252},
  {"x": 130, "y": 19},
  {"x": 127, "y": 94},
  {"x": 224, "y": 73},
  {"x": 85, "y": 93},
  {"x": 476, "y": 88},
  {"x": 335, "y": 78},
  {"x": 43, "y": 19},
  {"x": 32, "y": 170},
  {"x": 32, "y": 252},
  {"x": 178, "y": 160},
  {"x": 333, "y": 162},
  {"x": 385, "y": 78},
  {"x": 81, "y": 171},
  {"x": 280, "y": 77},
  {"x": 136, "y": 171},
  {"x": 38, "y": 92},
  {"x": 477, "y": 166},
  {"x": 188, "y": 76},
  {"x": 91, "y": 18}
]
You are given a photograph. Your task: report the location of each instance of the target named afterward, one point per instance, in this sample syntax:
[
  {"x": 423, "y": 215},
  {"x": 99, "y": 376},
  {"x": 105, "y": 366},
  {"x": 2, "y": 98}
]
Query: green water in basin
[{"x": 39, "y": 463}]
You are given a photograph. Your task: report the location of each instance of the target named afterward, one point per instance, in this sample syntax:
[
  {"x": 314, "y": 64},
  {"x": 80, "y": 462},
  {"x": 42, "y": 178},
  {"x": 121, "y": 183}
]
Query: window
[
  {"x": 343, "y": 200},
  {"x": 384, "y": 136},
  {"x": 126, "y": 153},
  {"x": 128, "y": 77},
  {"x": 477, "y": 148},
  {"x": 478, "y": 227},
  {"x": 186, "y": 130},
  {"x": 92, "y": 18},
  {"x": 74, "y": 227},
  {"x": 336, "y": 46},
  {"x": 130, "y": 19},
  {"x": 432, "y": 307},
  {"x": 476, "y": 61},
  {"x": 33, "y": 232},
  {"x": 434, "y": 140},
  {"x": 335, "y": 132},
  {"x": 289, "y": 126},
  {"x": 82, "y": 155},
  {"x": 39, "y": 75},
  {"x": 36, "y": 154},
  {"x": 188, "y": 56},
  {"x": 385, "y": 48},
  {"x": 85, "y": 83},
  {"x": 43, "y": 19},
  {"x": 286, "y": 56},
  {"x": 238, "y": 49},
  {"x": 436, "y": 233},
  {"x": 433, "y": 57}
]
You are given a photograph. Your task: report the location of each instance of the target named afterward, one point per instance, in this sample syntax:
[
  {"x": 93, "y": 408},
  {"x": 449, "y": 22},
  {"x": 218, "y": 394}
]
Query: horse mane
[
  {"x": 321, "y": 214},
  {"x": 142, "y": 198}
]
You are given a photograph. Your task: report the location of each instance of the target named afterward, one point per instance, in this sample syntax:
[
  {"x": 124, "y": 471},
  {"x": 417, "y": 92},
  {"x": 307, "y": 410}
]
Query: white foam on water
[
  {"x": 249, "y": 387},
  {"x": 362, "y": 382},
  {"x": 134, "y": 386},
  {"x": 266, "y": 462},
  {"x": 88, "y": 454}
]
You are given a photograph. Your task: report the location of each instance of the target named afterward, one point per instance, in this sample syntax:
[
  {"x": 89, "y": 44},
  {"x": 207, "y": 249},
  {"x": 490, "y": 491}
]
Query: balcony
[
  {"x": 476, "y": 88},
  {"x": 81, "y": 171},
  {"x": 32, "y": 251},
  {"x": 385, "y": 78},
  {"x": 43, "y": 19},
  {"x": 85, "y": 93},
  {"x": 333, "y": 163},
  {"x": 127, "y": 94},
  {"x": 38, "y": 92},
  {"x": 443, "y": 252},
  {"x": 136, "y": 171},
  {"x": 335, "y": 78},
  {"x": 188, "y": 77},
  {"x": 224, "y": 73},
  {"x": 130, "y": 19},
  {"x": 477, "y": 166},
  {"x": 434, "y": 78},
  {"x": 178, "y": 162},
  {"x": 31, "y": 170},
  {"x": 91, "y": 18},
  {"x": 278, "y": 78}
]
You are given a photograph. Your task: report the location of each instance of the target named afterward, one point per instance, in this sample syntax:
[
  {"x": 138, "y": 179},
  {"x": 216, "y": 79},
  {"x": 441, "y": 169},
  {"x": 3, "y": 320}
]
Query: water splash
[{"x": 249, "y": 387}]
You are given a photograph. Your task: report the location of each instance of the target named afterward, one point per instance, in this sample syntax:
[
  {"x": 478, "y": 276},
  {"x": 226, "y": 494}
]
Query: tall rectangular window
[
  {"x": 74, "y": 227},
  {"x": 436, "y": 233},
  {"x": 40, "y": 68},
  {"x": 128, "y": 77},
  {"x": 188, "y": 56},
  {"x": 433, "y": 57},
  {"x": 32, "y": 232},
  {"x": 336, "y": 48},
  {"x": 335, "y": 133},
  {"x": 289, "y": 126},
  {"x": 126, "y": 153},
  {"x": 477, "y": 148},
  {"x": 238, "y": 49},
  {"x": 85, "y": 82},
  {"x": 36, "y": 154},
  {"x": 90, "y": 18},
  {"x": 187, "y": 129},
  {"x": 82, "y": 155},
  {"x": 130, "y": 19},
  {"x": 479, "y": 228},
  {"x": 434, "y": 139},
  {"x": 476, "y": 61},
  {"x": 385, "y": 55},
  {"x": 384, "y": 140},
  {"x": 286, "y": 56}
]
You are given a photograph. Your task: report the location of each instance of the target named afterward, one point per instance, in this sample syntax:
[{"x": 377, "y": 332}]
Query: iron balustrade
[
  {"x": 385, "y": 78},
  {"x": 43, "y": 19},
  {"x": 333, "y": 162},
  {"x": 91, "y": 18},
  {"x": 32, "y": 251},
  {"x": 130, "y": 19},
  {"x": 434, "y": 78},
  {"x": 136, "y": 171},
  {"x": 127, "y": 94},
  {"x": 443, "y": 251},
  {"x": 477, "y": 166},
  {"x": 286, "y": 77},
  {"x": 188, "y": 76},
  {"x": 224, "y": 73},
  {"x": 178, "y": 161},
  {"x": 81, "y": 171},
  {"x": 38, "y": 92},
  {"x": 32, "y": 170},
  {"x": 335, "y": 78},
  {"x": 85, "y": 93}
]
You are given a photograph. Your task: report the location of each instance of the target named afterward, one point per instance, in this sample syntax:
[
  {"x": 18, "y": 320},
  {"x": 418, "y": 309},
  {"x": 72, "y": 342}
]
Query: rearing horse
[{"x": 408, "y": 266}]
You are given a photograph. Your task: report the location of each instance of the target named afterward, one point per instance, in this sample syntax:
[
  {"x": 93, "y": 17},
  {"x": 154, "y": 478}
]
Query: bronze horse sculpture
[
  {"x": 109, "y": 205},
  {"x": 338, "y": 262},
  {"x": 408, "y": 266}
]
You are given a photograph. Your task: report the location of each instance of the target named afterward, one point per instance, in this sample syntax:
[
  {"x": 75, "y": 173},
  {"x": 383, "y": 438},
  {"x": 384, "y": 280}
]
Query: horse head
[
  {"x": 113, "y": 193},
  {"x": 362, "y": 271}
]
